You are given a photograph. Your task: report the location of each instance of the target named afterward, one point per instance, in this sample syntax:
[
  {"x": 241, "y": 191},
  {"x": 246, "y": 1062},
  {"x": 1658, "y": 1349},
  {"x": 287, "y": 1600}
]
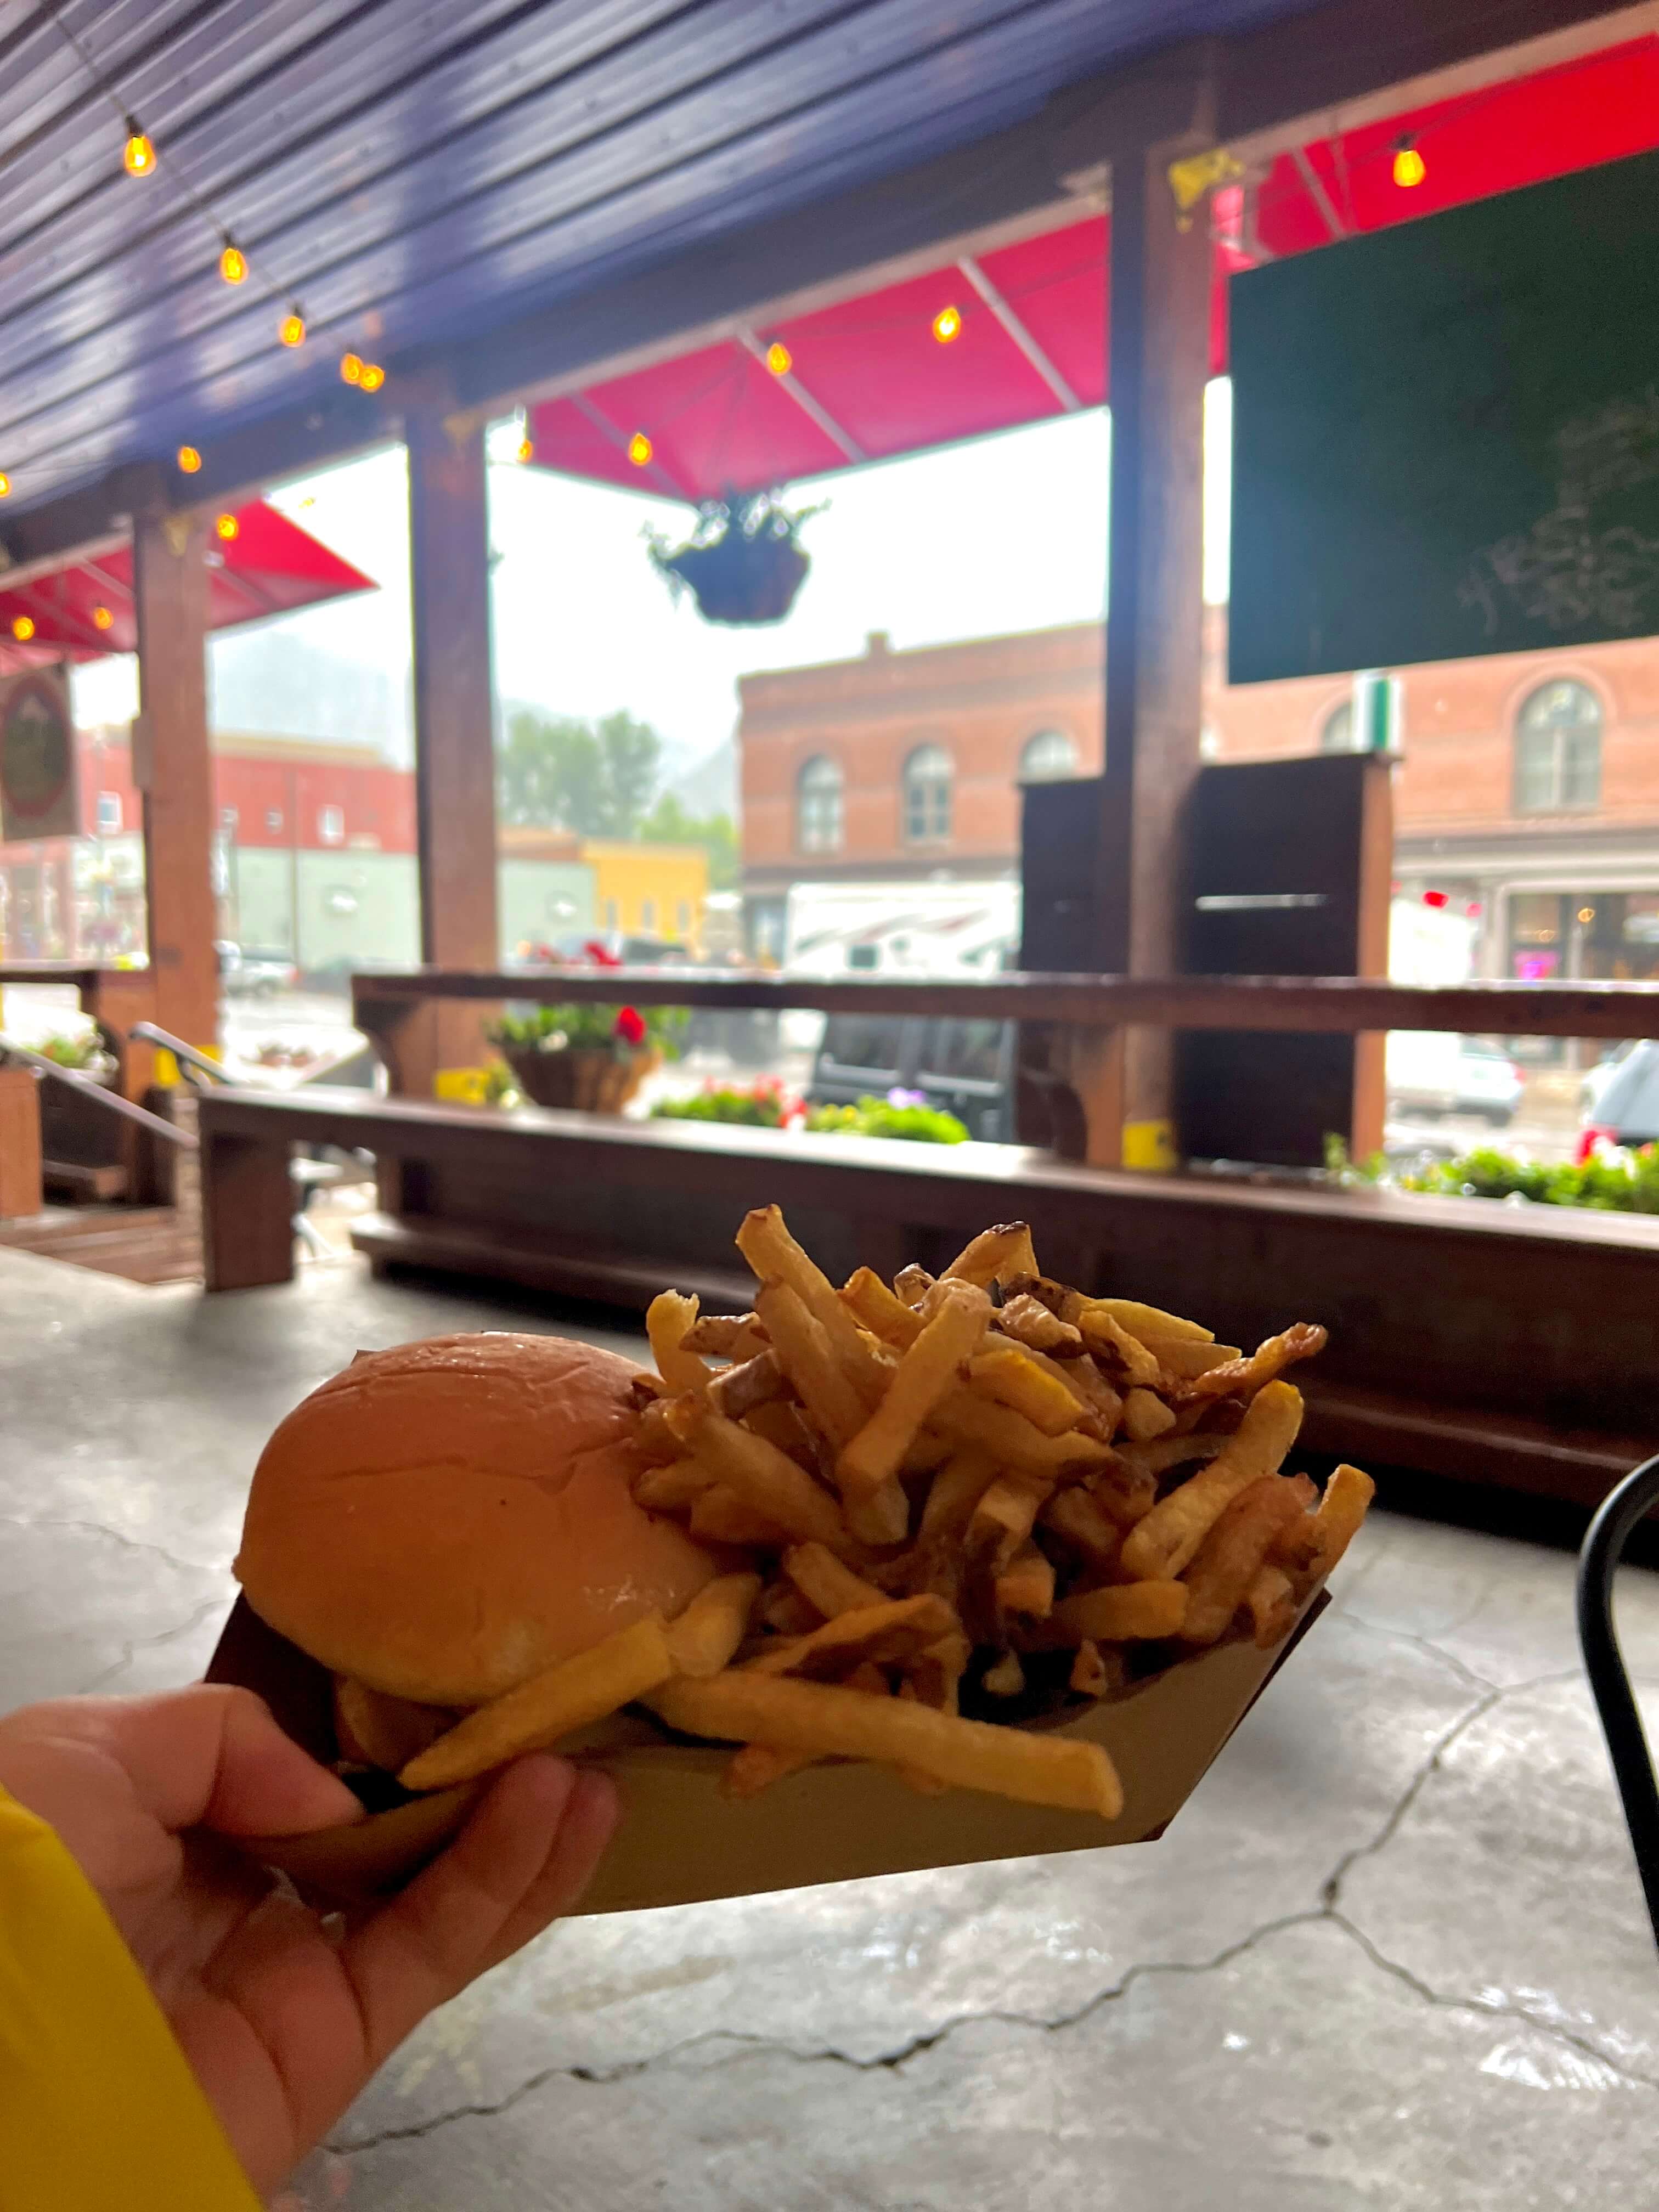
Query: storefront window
[{"x": 1557, "y": 750}]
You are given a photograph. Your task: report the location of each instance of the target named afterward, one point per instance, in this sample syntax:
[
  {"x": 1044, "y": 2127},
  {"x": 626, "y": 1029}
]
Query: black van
[{"x": 965, "y": 1068}]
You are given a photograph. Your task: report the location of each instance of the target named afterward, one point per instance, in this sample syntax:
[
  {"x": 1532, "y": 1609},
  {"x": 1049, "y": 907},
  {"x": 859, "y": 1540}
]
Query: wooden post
[
  {"x": 20, "y": 1144},
  {"x": 454, "y": 726},
  {"x": 246, "y": 1197},
  {"x": 173, "y": 767},
  {"x": 1159, "y": 346}
]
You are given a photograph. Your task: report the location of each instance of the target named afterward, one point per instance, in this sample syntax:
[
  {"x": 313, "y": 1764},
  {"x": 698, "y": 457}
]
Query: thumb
[{"x": 212, "y": 1756}]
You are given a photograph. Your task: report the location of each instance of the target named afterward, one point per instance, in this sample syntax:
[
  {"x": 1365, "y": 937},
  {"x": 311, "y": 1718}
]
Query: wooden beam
[
  {"x": 1159, "y": 348},
  {"x": 454, "y": 715},
  {"x": 173, "y": 767}
]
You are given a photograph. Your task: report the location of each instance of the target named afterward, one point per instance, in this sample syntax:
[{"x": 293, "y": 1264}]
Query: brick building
[{"x": 1526, "y": 797}]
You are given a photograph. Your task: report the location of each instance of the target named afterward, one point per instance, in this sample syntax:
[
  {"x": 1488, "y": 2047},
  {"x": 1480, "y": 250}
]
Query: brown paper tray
[{"x": 681, "y": 1842}]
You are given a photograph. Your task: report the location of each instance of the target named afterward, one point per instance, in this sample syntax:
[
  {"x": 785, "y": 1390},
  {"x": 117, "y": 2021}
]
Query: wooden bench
[{"x": 1495, "y": 1344}]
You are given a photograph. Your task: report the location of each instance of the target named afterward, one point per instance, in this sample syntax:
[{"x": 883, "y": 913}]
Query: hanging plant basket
[
  {"x": 592, "y": 1079},
  {"x": 743, "y": 563}
]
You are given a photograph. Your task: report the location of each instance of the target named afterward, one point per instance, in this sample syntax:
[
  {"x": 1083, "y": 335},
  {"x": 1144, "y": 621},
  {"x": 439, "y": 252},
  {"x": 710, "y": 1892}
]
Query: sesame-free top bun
[{"x": 444, "y": 1518}]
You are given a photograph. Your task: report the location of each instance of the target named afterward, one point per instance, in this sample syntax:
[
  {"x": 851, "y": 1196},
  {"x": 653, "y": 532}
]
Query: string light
[
  {"x": 292, "y": 328},
  {"x": 22, "y": 628},
  {"x": 779, "y": 359},
  {"x": 139, "y": 154},
  {"x": 351, "y": 368},
  {"x": 640, "y": 449},
  {"x": 228, "y": 527},
  {"x": 102, "y": 618},
  {"x": 233, "y": 263},
  {"x": 527, "y": 451},
  {"x": 189, "y": 460},
  {"x": 5, "y": 486},
  {"x": 1409, "y": 166},
  {"x": 947, "y": 324},
  {"x": 372, "y": 377}
]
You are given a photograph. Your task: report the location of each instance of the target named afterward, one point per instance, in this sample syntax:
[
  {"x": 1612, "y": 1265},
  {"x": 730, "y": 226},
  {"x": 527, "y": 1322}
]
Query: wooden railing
[
  {"x": 1084, "y": 1016},
  {"x": 115, "y": 999}
]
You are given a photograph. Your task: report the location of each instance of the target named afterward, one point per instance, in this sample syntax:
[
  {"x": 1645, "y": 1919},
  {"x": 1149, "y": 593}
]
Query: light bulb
[
  {"x": 228, "y": 527},
  {"x": 640, "y": 449},
  {"x": 102, "y": 618},
  {"x": 5, "y": 486},
  {"x": 372, "y": 377},
  {"x": 527, "y": 451},
  {"x": 232, "y": 264},
  {"x": 947, "y": 324},
  {"x": 1409, "y": 168},
  {"x": 779, "y": 359},
  {"x": 22, "y": 628},
  {"x": 139, "y": 154},
  {"x": 189, "y": 460},
  {"x": 351, "y": 368},
  {"x": 292, "y": 328}
]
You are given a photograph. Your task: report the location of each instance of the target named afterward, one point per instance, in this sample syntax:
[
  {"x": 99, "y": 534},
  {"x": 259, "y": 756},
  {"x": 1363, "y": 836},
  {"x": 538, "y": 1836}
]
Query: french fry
[
  {"x": 1006, "y": 1679},
  {"x": 735, "y": 1337},
  {"x": 375, "y": 1730},
  {"x": 925, "y": 1786},
  {"x": 737, "y": 1390},
  {"x": 1151, "y": 1324},
  {"x": 1010, "y": 1376},
  {"x": 1231, "y": 1555},
  {"x": 719, "y": 1516},
  {"x": 1013, "y": 1441},
  {"x": 1162, "y": 1543},
  {"x": 1036, "y": 1770},
  {"x": 1029, "y": 1322},
  {"x": 1162, "y": 1453},
  {"x": 653, "y": 1434},
  {"x": 1241, "y": 1377},
  {"x": 547, "y": 1706},
  {"x": 936, "y": 1673},
  {"x": 995, "y": 1256},
  {"x": 783, "y": 1608},
  {"x": 925, "y": 1373},
  {"x": 782, "y": 1422},
  {"x": 803, "y": 1349},
  {"x": 1145, "y": 1416},
  {"x": 772, "y": 1252},
  {"x": 886, "y": 1633},
  {"x": 1002, "y": 1523},
  {"x": 1106, "y": 1337},
  {"x": 1076, "y": 1518},
  {"x": 669, "y": 1320},
  {"x": 954, "y": 1492},
  {"x": 1026, "y": 1585},
  {"x": 1182, "y": 1361},
  {"x": 756, "y": 1766},
  {"x": 880, "y": 1310},
  {"x": 1084, "y": 1375},
  {"x": 1124, "y": 1612},
  {"x": 770, "y": 1482},
  {"x": 911, "y": 1284},
  {"x": 826, "y": 1583},
  {"x": 1123, "y": 1493},
  {"x": 1347, "y": 1495},
  {"x": 1271, "y": 1599},
  {"x": 1089, "y": 1675},
  {"x": 703, "y": 1638},
  {"x": 673, "y": 1488}
]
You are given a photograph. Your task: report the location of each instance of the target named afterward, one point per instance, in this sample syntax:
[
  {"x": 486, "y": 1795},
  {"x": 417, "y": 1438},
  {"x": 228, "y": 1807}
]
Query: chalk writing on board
[{"x": 1566, "y": 572}]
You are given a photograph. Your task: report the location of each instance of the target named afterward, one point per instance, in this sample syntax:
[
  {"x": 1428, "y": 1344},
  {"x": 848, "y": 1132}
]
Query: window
[
  {"x": 229, "y": 819},
  {"x": 1337, "y": 735},
  {"x": 273, "y": 818},
  {"x": 610, "y": 920},
  {"x": 818, "y": 807},
  {"x": 109, "y": 814},
  {"x": 648, "y": 914},
  {"x": 1049, "y": 757},
  {"x": 330, "y": 824},
  {"x": 1557, "y": 749},
  {"x": 927, "y": 776},
  {"x": 682, "y": 917}
]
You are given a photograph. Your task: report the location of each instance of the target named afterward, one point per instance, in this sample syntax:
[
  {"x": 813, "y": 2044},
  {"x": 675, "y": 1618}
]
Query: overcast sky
[{"x": 1007, "y": 533}]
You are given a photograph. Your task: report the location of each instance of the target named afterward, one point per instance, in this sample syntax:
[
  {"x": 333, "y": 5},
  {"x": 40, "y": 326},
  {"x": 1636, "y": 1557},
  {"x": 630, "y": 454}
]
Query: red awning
[
  {"x": 868, "y": 378},
  {"x": 265, "y": 565}
]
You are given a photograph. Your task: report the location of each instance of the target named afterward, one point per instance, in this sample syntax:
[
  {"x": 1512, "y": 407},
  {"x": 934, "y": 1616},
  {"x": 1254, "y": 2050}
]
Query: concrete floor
[{"x": 1392, "y": 1955}]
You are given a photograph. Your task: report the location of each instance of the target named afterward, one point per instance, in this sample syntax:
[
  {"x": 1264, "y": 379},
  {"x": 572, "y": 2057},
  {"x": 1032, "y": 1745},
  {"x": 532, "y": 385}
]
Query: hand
[{"x": 284, "y": 2016}]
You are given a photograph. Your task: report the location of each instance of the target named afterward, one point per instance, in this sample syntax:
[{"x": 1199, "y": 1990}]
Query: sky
[{"x": 1004, "y": 533}]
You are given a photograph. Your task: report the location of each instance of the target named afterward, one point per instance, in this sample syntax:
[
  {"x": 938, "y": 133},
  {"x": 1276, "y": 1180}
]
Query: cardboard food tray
[{"x": 681, "y": 1842}]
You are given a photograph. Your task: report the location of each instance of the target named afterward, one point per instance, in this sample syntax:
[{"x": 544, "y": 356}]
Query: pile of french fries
[{"x": 983, "y": 1488}]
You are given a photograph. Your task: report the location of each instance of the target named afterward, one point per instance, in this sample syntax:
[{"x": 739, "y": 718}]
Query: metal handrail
[
  {"x": 191, "y": 1061},
  {"x": 1615, "y": 1701},
  {"x": 113, "y": 1099}
]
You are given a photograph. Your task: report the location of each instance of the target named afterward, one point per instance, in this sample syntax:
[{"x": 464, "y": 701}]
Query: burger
[{"x": 442, "y": 1520}]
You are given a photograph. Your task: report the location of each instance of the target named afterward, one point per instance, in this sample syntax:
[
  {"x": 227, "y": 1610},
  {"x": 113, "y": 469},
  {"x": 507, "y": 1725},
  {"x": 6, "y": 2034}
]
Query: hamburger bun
[{"x": 441, "y": 1520}]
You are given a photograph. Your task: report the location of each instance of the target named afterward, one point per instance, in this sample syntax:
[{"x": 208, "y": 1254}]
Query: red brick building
[{"x": 1526, "y": 795}]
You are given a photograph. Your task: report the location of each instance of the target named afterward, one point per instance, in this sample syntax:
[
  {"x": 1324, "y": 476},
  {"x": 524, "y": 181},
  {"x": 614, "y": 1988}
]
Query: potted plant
[
  {"x": 591, "y": 1057},
  {"x": 76, "y": 1133},
  {"x": 743, "y": 562}
]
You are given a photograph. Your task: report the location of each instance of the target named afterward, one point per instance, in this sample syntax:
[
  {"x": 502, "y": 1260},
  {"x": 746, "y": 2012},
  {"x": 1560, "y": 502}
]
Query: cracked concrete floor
[{"x": 1392, "y": 1954}]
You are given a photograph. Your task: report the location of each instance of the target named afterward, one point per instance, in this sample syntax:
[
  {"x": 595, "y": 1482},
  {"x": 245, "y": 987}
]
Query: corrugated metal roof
[{"x": 414, "y": 174}]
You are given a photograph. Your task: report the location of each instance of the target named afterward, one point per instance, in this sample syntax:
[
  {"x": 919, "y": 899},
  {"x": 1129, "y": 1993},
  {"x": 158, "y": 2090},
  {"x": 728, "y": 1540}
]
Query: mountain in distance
[{"x": 270, "y": 683}]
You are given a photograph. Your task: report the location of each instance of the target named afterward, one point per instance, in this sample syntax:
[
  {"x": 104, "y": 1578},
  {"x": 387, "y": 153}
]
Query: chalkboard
[{"x": 1446, "y": 435}]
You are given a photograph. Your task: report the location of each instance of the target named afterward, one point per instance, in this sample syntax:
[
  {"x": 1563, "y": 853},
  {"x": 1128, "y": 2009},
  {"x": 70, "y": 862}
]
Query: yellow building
[{"x": 648, "y": 891}]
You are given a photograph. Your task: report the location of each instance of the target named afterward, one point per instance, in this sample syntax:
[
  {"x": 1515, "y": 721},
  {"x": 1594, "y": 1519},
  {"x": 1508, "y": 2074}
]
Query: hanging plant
[{"x": 743, "y": 562}]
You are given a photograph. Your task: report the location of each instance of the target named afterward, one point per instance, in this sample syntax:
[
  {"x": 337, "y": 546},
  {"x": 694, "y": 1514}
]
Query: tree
[
  {"x": 556, "y": 771},
  {"x": 668, "y": 823}
]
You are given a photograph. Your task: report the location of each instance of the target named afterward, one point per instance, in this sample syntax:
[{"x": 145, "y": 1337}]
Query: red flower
[{"x": 630, "y": 1027}]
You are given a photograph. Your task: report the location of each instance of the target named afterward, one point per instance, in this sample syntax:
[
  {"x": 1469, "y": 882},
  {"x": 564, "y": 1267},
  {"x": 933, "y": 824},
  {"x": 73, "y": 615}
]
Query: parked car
[
  {"x": 1431, "y": 1072},
  {"x": 1627, "y": 1112},
  {"x": 250, "y": 974},
  {"x": 964, "y": 1067},
  {"x": 1489, "y": 1084},
  {"x": 1594, "y": 1080}
]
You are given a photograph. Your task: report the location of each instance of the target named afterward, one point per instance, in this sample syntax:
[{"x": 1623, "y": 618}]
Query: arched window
[
  {"x": 927, "y": 777},
  {"x": 818, "y": 807},
  {"x": 1557, "y": 749},
  {"x": 1337, "y": 734},
  {"x": 1049, "y": 757}
]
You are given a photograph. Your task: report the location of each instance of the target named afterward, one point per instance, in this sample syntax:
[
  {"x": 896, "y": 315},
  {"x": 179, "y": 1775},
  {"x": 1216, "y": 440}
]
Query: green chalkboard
[{"x": 1446, "y": 435}]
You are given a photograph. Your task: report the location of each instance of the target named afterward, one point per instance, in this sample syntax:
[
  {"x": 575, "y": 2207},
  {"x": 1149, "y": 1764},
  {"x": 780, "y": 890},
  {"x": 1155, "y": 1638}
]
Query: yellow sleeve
[{"x": 98, "y": 2108}]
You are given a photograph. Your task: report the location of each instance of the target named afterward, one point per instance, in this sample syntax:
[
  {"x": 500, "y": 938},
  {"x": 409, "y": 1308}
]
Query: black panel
[{"x": 1060, "y": 839}]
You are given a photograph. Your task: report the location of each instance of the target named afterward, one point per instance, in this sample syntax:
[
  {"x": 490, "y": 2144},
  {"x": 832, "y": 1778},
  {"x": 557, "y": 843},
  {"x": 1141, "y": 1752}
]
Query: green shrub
[{"x": 879, "y": 1117}]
